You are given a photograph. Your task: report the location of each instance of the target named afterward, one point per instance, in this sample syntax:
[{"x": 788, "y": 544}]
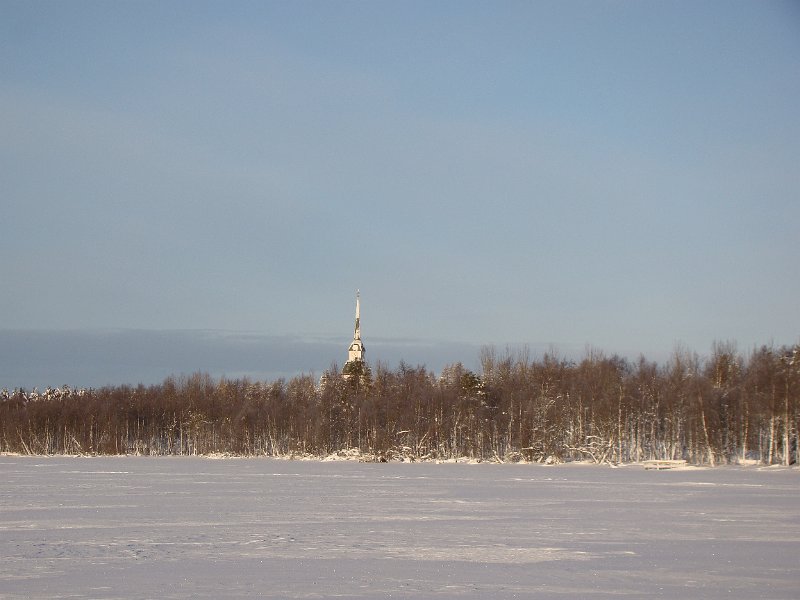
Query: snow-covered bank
[{"x": 355, "y": 455}]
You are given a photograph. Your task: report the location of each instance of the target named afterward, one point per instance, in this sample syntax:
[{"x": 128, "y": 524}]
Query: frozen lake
[{"x": 128, "y": 527}]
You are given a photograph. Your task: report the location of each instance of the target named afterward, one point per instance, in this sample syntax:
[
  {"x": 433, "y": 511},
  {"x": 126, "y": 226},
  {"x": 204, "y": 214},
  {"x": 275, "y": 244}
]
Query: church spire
[
  {"x": 356, "y": 350},
  {"x": 357, "y": 334}
]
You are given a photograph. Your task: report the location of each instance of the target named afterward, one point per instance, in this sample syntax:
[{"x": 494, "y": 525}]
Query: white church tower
[{"x": 356, "y": 351}]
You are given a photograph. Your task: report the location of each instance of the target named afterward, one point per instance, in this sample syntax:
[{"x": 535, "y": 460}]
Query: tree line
[{"x": 726, "y": 408}]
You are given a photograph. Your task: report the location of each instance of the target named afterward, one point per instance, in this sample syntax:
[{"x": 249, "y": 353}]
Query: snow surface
[{"x": 178, "y": 527}]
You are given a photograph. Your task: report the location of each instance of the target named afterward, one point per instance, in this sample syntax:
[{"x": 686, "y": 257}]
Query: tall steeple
[{"x": 356, "y": 351}]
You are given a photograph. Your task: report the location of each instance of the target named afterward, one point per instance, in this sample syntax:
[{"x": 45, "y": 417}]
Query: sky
[{"x": 182, "y": 180}]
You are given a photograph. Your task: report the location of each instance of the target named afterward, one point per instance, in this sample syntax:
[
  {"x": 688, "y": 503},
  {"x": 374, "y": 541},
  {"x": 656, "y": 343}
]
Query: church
[
  {"x": 356, "y": 350},
  {"x": 356, "y": 369}
]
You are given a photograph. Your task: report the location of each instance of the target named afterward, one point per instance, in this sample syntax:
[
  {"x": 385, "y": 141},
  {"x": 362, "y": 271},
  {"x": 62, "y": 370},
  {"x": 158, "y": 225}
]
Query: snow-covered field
[{"x": 127, "y": 527}]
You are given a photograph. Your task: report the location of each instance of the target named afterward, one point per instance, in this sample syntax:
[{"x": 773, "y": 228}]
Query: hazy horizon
[{"x": 96, "y": 358}]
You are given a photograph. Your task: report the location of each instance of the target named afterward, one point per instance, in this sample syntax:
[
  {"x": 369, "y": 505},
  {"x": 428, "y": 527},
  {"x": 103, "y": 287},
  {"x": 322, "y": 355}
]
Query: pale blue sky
[{"x": 619, "y": 174}]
